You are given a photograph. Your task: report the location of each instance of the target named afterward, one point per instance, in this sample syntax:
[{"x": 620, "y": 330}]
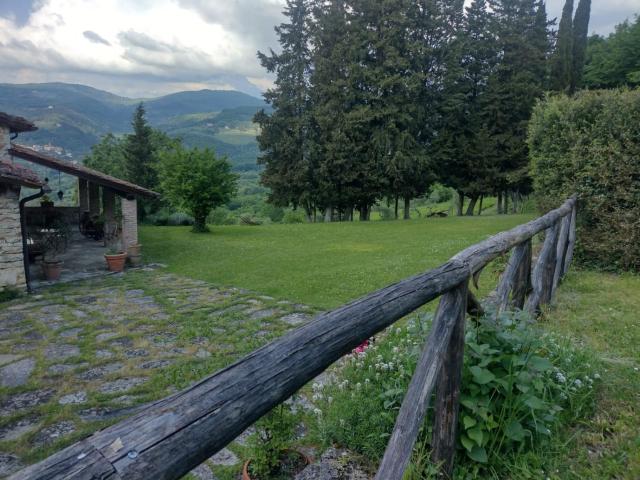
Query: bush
[
  {"x": 9, "y": 293},
  {"x": 294, "y": 216},
  {"x": 518, "y": 387},
  {"x": 180, "y": 219},
  {"x": 590, "y": 145},
  {"x": 439, "y": 193}
]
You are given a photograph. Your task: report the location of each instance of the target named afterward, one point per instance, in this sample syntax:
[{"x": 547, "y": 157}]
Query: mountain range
[{"x": 74, "y": 117}]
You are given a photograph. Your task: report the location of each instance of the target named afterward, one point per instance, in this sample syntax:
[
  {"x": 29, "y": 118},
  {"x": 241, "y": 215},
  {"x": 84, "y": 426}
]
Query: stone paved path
[{"x": 75, "y": 358}]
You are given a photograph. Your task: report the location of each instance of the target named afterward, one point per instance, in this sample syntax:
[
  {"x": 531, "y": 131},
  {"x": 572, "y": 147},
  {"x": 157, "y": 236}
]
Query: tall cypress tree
[
  {"x": 464, "y": 156},
  {"x": 580, "y": 33},
  {"x": 562, "y": 60},
  {"x": 283, "y": 138},
  {"x": 514, "y": 87}
]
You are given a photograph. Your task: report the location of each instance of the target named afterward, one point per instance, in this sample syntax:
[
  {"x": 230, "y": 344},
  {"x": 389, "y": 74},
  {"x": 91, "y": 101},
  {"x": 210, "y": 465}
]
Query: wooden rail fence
[{"x": 173, "y": 435}]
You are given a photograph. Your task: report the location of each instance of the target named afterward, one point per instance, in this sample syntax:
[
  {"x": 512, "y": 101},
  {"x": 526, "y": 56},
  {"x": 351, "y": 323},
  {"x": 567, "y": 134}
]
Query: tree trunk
[
  {"x": 505, "y": 197},
  {"x": 364, "y": 213},
  {"x": 396, "y": 208},
  {"x": 499, "y": 206},
  {"x": 472, "y": 206},
  {"x": 327, "y": 214},
  {"x": 460, "y": 203},
  {"x": 407, "y": 208},
  {"x": 480, "y": 206}
]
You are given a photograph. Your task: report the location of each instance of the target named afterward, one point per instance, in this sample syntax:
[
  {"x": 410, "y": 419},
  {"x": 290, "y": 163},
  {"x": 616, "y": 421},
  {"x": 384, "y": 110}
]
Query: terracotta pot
[
  {"x": 52, "y": 269},
  {"x": 245, "y": 468},
  {"x": 133, "y": 250},
  {"x": 115, "y": 263},
  {"x": 134, "y": 260}
]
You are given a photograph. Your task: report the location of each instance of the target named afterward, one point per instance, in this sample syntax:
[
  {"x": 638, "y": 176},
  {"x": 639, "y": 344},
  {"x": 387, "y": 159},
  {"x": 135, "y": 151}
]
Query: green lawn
[
  {"x": 323, "y": 265},
  {"x": 601, "y": 310}
]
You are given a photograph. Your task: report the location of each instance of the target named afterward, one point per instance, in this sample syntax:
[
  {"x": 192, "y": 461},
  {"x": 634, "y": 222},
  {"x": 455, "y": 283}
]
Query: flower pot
[
  {"x": 115, "y": 263},
  {"x": 134, "y": 256},
  {"x": 52, "y": 269},
  {"x": 245, "y": 468}
]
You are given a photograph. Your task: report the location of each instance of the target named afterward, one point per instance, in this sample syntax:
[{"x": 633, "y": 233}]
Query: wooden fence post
[
  {"x": 542, "y": 277},
  {"x": 451, "y": 312},
  {"x": 516, "y": 280},
  {"x": 568, "y": 257},
  {"x": 447, "y": 406},
  {"x": 561, "y": 248}
]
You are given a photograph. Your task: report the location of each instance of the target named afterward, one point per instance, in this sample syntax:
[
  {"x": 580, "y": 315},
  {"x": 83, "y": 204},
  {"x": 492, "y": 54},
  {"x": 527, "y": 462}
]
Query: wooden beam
[
  {"x": 411, "y": 416},
  {"x": 515, "y": 281},
  {"x": 447, "y": 406},
  {"x": 561, "y": 249},
  {"x": 568, "y": 257},
  {"x": 542, "y": 276}
]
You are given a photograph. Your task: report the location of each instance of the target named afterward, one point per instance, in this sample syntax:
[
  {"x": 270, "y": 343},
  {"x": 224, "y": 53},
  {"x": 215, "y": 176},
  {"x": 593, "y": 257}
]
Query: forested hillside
[{"x": 75, "y": 117}]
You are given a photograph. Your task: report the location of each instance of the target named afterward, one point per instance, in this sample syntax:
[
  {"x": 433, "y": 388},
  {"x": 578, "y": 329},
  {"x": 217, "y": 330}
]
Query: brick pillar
[
  {"x": 94, "y": 199},
  {"x": 129, "y": 223},
  {"x": 108, "y": 210},
  {"x": 83, "y": 195},
  {"x": 11, "y": 258}
]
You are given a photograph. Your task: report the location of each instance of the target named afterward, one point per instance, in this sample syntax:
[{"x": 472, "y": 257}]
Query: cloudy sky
[{"x": 145, "y": 48}]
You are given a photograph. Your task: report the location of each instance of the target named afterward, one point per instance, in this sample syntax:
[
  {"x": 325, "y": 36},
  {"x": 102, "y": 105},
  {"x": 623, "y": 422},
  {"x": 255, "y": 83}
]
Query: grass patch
[
  {"x": 324, "y": 265},
  {"x": 601, "y": 310}
]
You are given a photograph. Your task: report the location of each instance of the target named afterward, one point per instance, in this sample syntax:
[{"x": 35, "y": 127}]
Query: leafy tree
[
  {"x": 463, "y": 143},
  {"x": 107, "y": 156},
  {"x": 284, "y": 134},
  {"x": 562, "y": 60},
  {"x": 614, "y": 61},
  {"x": 580, "y": 32},
  {"x": 513, "y": 89},
  {"x": 197, "y": 181}
]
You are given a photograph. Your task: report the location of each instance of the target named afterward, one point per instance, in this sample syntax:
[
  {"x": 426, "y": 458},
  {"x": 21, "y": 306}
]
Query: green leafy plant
[
  {"x": 274, "y": 434},
  {"x": 9, "y": 293},
  {"x": 518, "y": 386}
]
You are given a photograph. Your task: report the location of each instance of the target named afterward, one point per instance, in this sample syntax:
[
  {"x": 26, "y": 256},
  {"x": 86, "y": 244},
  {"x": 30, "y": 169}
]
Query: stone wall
[{"x": 11, "y": 260}]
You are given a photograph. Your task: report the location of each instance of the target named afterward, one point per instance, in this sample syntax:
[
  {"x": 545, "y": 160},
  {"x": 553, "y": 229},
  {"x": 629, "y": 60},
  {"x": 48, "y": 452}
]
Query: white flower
[
  {"x": 317, "y": 411},
  {"x": 596, "y": 376},
  {"x": 358, "y": 386},
  {"x": 577, "y": 382},
  {"x": 560, "y": 377}
]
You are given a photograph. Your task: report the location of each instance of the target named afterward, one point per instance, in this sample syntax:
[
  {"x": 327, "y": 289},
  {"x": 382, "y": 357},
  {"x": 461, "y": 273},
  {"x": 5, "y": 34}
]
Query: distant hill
[{"x": 76, "y": 116}]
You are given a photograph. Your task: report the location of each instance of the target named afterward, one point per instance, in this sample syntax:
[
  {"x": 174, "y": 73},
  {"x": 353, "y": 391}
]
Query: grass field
[
  {"x": 326, "y": 265},
  {"x": 601, "y": 310},
  {"x": 323, "y": 265}
]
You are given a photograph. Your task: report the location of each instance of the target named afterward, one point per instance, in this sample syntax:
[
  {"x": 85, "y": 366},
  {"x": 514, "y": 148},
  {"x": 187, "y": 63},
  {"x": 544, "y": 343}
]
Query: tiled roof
[
  {"x": 80, "y": 171},
  {"x": 17, "y": 174},
  {"x": 16, "y": 124}
]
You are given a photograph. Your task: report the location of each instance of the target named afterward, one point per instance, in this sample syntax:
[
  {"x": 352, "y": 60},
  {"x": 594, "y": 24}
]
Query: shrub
[
  {"x": 9, "y": 293},
  {"x": 386, "y": 213},
  {"x": 180, "y": 219},
  {"x": 518, "y": 387},
  {"x": 590, "y": 145},
  {"x": 293, "y": 216},
  {"x": 439, "y": 193}
]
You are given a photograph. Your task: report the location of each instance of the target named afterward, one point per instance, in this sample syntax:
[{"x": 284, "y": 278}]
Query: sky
[{"x": 147, "y": 48}]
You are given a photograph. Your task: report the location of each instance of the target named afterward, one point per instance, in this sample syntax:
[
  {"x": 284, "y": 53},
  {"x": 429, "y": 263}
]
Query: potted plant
[
  {"x": 54, "y": 245},
  {"x": 133, "y": 254},
  {"x": 46, "y": 202},
  {"x": 271, "y": 455},
  {"x": 115, "y": 254}
]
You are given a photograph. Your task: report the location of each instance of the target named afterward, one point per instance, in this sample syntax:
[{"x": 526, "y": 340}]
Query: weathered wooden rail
[{"x": 173, "y": 435}]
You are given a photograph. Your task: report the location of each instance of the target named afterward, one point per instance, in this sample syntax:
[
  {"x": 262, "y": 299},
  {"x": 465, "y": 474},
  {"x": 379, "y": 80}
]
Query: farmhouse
[{"x": 106, "y": 211}]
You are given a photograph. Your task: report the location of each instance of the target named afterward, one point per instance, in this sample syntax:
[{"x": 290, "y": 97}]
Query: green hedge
[{"x": 589, "y": 144}]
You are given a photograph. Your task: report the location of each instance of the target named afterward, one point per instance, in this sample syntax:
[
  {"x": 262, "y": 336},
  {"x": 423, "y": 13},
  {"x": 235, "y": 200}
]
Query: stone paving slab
[{"x": 78, "y": 357}]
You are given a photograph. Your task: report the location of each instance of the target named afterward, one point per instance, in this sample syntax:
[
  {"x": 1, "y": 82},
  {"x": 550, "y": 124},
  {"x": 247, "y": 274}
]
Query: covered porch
[{"x": 103, "y": 220}]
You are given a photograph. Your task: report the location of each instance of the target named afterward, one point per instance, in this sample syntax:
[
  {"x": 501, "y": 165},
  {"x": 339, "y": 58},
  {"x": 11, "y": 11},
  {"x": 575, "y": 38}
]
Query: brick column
[
  {"x": 129, "y": 223},
  {"x": 11, "y": 258},
  {"x": 83, "y": 195},
  {"x": 94, "y": 199}
]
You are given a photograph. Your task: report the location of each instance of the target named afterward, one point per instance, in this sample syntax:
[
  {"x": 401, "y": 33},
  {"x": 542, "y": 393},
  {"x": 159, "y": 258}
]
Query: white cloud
[{"x": 169, "y": 41}]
